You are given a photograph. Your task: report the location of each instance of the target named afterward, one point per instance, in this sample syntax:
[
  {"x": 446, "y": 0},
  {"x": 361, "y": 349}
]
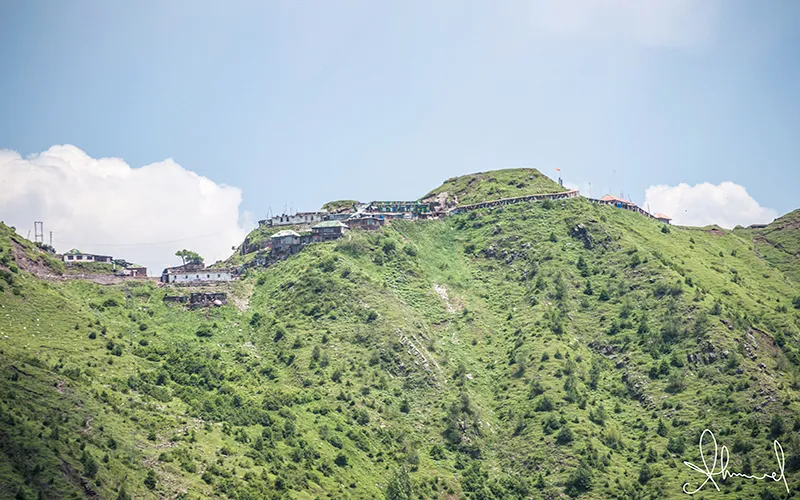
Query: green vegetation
[
  {"x": 494, "y": 354},
  {"x": 189, "y": 257},
  {"x": 779, "y": 243},
  {"x": 486, "y": 186},
  {"x": 339, "y": 206},
  {"x": 254, "y": 246}
]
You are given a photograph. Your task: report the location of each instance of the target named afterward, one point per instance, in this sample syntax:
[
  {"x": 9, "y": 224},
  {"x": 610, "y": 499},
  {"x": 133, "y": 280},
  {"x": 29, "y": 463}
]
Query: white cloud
[
  {"x": 650, "y": 22},
  {"x": 104, "y": 206},
  {"x": 726, "y": 204}
]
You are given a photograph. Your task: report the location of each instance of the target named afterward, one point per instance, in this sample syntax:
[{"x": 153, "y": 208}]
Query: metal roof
[
  {"x": 285, "y": 232},
  {"x": 329, "y": 223}
]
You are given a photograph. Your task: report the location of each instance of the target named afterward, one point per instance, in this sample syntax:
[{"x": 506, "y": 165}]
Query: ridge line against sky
[{"x": 299, "y": 103}]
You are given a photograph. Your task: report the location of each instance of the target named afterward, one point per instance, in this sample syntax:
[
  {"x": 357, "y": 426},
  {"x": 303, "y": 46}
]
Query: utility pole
[{"x": 51, "y": 239}]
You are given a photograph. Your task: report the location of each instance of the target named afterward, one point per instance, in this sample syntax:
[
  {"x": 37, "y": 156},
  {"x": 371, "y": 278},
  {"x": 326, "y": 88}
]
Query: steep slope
[
  {"x": 493, "y": 185},
  {"x": 529, "y": 351},
  {"x": 779, "y": 243}
]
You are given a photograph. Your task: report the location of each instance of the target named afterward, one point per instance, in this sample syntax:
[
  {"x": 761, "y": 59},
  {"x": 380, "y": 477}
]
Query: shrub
[
  {"x": 204, "y": 331},
  {"x": 89, "y": 464},
  {"x": 362, "y": 417},
  {"x": 341, "y": 460},
  {"x": 150, "y": 480},
  {"x": 399, "y": 487},
  {"x": 437, "y": 452},
  {"x": 564, "y": 436},
  {"x": 580, "y": 480},
  {"x": 644, "y": 473},
  {"x": 543, "y": 404},
  {"x": 776, "y": 426},
  {"x": 676, "y": 445}
]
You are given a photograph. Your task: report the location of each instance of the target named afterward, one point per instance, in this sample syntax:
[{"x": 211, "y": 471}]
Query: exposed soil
[{"x": 37, "y": 267}]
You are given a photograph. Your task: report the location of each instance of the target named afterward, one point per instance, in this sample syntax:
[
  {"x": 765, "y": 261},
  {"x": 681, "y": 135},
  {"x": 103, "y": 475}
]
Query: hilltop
[
  {"x": 537, "y": 350},
  {"x": 493, "y": 185}
]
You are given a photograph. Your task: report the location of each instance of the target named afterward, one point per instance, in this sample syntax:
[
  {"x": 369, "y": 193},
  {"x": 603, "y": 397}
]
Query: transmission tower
[{"x": 38, "y": 232}]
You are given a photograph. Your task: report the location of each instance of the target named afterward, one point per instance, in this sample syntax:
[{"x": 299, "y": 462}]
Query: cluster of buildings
[
  {"x": 382, "y": 210},
  {"x": 75, "y": 256},
  {"x": 324, "y": 226},
  {"x": 287, "y": 241},
  {"x": 629, "y": 205}
]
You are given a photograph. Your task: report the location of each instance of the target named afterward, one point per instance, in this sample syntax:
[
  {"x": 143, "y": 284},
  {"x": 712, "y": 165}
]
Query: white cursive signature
[{"x": 724, "y": 458}]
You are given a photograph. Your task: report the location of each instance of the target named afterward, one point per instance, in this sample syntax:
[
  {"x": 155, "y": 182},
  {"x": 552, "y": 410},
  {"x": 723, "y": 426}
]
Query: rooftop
[
  {"x": 608, "y": 197},
  {"x": 284, "y": 233},
  {"x": 330, "y": 223}
]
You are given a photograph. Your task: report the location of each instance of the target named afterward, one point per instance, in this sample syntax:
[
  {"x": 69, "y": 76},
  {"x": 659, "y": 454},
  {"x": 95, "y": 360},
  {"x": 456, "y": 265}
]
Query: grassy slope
[
  {"x": 779, "y": 243},
  {"x": 485, "y": 186},
  {"x": 254, "y": 244},
  {"x": 310, "y": 392},
  {"x": 339, "y": 206}
]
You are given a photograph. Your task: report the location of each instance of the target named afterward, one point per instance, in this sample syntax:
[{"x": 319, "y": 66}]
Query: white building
[
  {"x": 300, "y": 218},
  {"x": 77, "y": 256},
  {"x": 196, "y": 276}
]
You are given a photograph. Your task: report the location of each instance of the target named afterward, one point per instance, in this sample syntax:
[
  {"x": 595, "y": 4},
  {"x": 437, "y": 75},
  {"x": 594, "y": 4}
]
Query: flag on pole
[{"x": 558, "y": 170}]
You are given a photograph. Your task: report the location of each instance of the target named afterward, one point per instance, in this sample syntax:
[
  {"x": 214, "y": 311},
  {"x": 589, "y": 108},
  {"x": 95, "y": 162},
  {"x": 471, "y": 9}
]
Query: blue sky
[{"x": 301, "y": 102}]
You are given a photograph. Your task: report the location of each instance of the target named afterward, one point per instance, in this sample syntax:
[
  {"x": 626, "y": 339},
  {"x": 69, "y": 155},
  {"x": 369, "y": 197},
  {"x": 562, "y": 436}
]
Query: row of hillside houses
[
  {"x": 629, "y": 205},
  {"x": 383, "y": 210},
  {"x": 75, "y": 256},
  {"x": 287, "y": 242},
  {"x": 300, "y": 218}
]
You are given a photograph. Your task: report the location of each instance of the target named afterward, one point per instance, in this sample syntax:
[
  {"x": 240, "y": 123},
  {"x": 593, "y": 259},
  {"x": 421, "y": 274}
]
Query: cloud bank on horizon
[
  {"x": 105, "y": 206},
  {"x": 726, "y": 204}
]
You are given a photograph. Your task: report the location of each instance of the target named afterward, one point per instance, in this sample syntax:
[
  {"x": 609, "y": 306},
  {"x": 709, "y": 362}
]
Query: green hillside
[
  {"x": 779, "y": 243},
  {"x": 538, "y": 350},
  {"x": 493, "y": 185}
]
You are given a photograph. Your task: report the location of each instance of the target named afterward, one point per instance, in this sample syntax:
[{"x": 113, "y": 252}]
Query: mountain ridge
[{"x": 536, "y": 350}]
